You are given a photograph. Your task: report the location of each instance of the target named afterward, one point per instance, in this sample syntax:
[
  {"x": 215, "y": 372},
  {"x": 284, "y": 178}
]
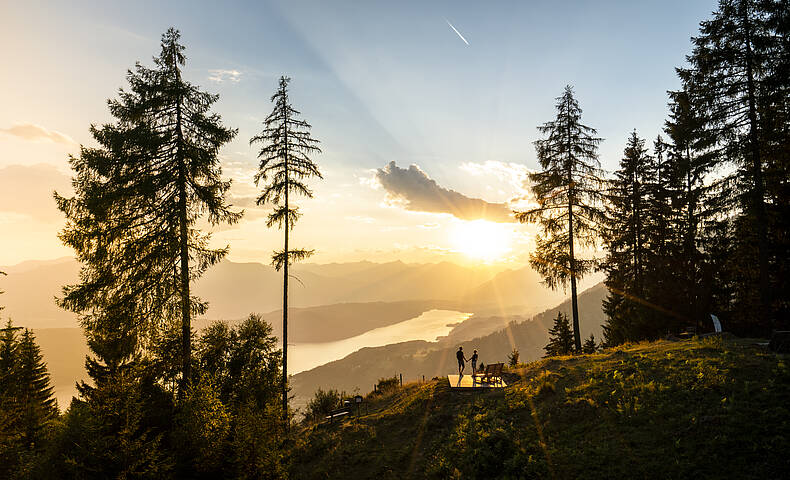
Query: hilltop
[
  {"x": 493, "y": 336},
  {"x": 712, "y": 408}
]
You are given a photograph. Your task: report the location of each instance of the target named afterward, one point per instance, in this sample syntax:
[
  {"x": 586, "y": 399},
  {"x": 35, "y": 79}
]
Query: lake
[{"x": 428, "y": 326}]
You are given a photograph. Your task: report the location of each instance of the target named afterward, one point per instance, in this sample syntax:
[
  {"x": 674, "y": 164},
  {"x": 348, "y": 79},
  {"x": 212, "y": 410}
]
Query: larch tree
[
  {"x": 569, "y": 192},
  {"x": 138, "y": 197},
  {"x": 284, "y": 166}
]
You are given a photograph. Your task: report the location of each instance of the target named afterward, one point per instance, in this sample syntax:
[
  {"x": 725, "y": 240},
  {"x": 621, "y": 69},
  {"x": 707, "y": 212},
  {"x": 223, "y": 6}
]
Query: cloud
[
  {"x": 27, "y": 190},
  {"x": 37, "y": 133},
  {"x": 219, "y": 75},
  {"x": 419, "y": 193},
  {"x": 513, "y": 176}
]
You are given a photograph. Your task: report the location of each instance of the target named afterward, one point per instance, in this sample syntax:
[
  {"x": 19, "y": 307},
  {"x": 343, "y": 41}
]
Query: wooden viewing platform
[{"x": 467, "y": 381}]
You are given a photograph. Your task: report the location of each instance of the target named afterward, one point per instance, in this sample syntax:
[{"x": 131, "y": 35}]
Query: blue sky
[{"x": 379, "y": 81}]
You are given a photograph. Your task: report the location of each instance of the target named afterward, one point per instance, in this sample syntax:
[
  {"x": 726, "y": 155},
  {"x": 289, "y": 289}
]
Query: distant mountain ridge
[
  {"x": 64, "y": 349},
  {"x": 234, "y": 290},
  {"x": 330, "y": 302}
]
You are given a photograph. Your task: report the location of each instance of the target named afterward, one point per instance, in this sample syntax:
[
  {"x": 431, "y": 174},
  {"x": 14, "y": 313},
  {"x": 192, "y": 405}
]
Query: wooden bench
[
  {"x": 493, "y": 370},
  {"x": 339, "y": 412},
  {"x": 688, "y": 332}
]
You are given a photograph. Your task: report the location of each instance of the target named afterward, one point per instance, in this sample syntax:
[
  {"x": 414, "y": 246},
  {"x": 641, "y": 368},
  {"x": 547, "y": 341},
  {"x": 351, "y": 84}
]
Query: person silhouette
[
  {"x": 474, "y": 362},
  {"x": 461, "y": 359}
]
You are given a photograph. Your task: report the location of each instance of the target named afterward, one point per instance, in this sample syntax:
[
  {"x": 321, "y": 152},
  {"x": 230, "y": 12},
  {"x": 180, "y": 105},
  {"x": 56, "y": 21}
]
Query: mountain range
[{"x": 234, "y": 290}]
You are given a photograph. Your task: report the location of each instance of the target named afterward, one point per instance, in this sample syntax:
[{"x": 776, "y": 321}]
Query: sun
[{"x": 481, "y": 240}]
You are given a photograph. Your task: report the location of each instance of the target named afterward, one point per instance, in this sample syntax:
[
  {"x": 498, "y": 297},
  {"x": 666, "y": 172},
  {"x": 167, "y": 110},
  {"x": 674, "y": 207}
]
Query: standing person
[
  {"x": 474, "y": 362},
  {"x": 461, "y": 359}
]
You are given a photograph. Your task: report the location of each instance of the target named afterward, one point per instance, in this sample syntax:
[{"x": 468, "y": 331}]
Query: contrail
[{"x": 456, "y": 31}]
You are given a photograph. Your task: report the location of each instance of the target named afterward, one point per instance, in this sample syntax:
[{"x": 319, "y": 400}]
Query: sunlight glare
[{"x": 482, "y": 240}]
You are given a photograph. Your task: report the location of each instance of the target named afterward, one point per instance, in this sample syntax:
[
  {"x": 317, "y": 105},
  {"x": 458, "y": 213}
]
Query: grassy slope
[
  {"x": 416, "y": 359},
  {"x": 714, "y": 408}
]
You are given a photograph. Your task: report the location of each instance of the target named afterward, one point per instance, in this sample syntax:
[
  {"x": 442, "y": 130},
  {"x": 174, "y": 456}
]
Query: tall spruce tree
[
  {"x": 568, "y": 191},
  {"x": 659, "y": 214},
  {"x": 138, "y": 197},
  {"x": 775, "y": 115},
  {"x": 625, "y": 240},
  {"x": 284, "y": 165},
  {"x": 729, "y": 79},
  {"x": 697, "y": 200}
]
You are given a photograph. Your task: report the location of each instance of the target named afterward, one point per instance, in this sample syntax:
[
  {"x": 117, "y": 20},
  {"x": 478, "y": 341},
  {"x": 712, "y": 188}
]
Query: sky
[{"x": 426, "y": 111}]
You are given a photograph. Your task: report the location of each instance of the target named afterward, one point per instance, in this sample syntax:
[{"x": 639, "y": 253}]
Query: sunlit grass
[{"x": 711, "y": 406}]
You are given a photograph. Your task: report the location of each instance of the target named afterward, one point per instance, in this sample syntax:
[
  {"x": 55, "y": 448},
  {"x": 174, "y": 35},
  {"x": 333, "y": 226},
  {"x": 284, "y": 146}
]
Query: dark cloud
[{"x": 421, "y": 194}]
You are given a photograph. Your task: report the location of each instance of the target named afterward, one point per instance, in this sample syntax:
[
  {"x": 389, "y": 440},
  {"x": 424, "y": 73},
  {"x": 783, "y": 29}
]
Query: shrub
[
  {"x": 388, "y": 384},
  {"x": 323, "y": 402},
  {"x": 512, "y": 358}
]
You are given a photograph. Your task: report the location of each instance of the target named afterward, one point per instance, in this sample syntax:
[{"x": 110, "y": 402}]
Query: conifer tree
[
  {"x": 27, "y": 404},
  {"x": 8, "y": 356},
  {"x": 589, "y": 345},
  {"x": 697, "y": 199},
  {"x": 568, "y": 191},
  {"x": 625, "y": 239},
  {"x": 561, "y": 339},
  {"x": 659, "y": 228},
  {"x": 138, "y": 197},
  {"x": 284, "y": 165},
  {"x": 10, "y": 431},
  {"x": 111, "y": 434},
  {"x": 729, "y": 78},
  {"x": 775, "y": 116},
  {"x": 36, "y": 401}
]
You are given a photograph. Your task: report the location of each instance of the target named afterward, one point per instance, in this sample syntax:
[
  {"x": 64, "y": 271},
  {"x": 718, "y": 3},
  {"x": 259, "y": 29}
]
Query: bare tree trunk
[
  {"x": 574, "y": 304},
  {"x": 285, "y": 277},
  {"x": 186, "y": 327}
]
